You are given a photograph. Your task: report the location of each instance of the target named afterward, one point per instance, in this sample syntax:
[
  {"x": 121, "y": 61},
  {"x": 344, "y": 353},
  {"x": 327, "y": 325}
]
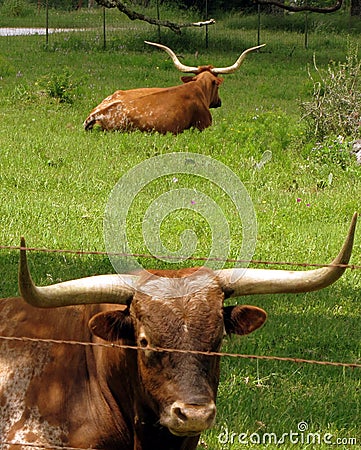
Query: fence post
[
  {"x": 258, "y": 24},
  {"x": 206, "y": 25},
  {"x": 306, "y": 30},
  {"x": 104, "y": 31},
  {"x": 47, "y": 23},
  {"x": 158, "y": 17}
]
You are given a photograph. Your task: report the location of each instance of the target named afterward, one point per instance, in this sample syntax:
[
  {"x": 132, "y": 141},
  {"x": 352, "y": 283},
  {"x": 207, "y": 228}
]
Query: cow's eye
[{"x": 143, "y": 342}]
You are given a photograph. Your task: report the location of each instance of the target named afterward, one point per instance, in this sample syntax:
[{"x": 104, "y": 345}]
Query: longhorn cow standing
[
  {"x": 104, "y": 397},
  {"x": 173, "y": 109}
]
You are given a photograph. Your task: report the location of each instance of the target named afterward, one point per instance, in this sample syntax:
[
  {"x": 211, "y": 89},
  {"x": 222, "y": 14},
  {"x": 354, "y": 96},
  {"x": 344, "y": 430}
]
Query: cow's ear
[
  {"x": 187, "y": 79},
  {"x": 220, "y": 81},
  {"x": 112, "y": 326},
  {"x": 243, "y": 319}
]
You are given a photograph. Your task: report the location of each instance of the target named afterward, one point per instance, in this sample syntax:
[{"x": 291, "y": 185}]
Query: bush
[
  {"x": 336, "y": 103},
  {"x": 59, "y": 87},
  {"x": 333, "y": 151},
  {"x": 16, "y": 8}
]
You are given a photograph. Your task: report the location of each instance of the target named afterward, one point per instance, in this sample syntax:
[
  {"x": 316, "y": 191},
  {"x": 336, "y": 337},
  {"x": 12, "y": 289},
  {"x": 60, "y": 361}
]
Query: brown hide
[
  {"x": 112, "y": 398},
  {"x": 172, "y": 109},
  {"x": 49, "y": 393}
]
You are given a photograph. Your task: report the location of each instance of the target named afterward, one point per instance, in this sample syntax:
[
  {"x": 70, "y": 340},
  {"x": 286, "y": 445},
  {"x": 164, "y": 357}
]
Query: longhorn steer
[
  {"x": 103, "y": 397},
  {"x": 172, "y": 109}
]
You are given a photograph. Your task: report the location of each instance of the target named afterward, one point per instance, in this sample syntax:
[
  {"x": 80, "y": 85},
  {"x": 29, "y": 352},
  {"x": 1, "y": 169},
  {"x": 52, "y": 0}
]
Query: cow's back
[{"x": 172, "y": 109}]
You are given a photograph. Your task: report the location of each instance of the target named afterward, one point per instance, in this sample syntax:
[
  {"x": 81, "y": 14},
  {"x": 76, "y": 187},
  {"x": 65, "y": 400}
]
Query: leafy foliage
[
  {"x": 59, "y": 86},
  {"x": 215, "y": 5},
  {"x": 16, "y": 8},
  {"x": 332, "y": 151},
  {"x": 336, "y": 101}
]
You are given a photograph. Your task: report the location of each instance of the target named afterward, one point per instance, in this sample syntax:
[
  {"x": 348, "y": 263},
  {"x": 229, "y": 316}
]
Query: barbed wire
[
  {"x": 158, "y": 349},
  {"x": 183, "y": 351},
  {"x": 220, "y": 354},
  {"x": 172, "y": 257}
]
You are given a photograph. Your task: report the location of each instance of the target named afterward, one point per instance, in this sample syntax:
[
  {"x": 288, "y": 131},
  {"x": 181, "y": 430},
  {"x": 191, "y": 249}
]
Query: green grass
[{"x": 55, "y": 182}]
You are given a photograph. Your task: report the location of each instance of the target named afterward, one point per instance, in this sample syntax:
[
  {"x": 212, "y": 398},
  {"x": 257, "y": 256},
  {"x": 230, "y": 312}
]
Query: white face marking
[
  {"x": 163, "y": 288},
  {"x": 19, "y": 364}
]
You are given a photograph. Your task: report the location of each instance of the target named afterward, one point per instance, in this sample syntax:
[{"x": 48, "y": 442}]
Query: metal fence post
[
  {"x": 104, "y": 30},
  {"x": 46, "y": 23}
]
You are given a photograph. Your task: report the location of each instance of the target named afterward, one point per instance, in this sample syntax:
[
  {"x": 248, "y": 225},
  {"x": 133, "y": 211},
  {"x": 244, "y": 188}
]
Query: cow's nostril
[
  {"x": 178, "y": 412},
  {"x": 189, "y": 418},
  {"x": 193, "y": 413}
]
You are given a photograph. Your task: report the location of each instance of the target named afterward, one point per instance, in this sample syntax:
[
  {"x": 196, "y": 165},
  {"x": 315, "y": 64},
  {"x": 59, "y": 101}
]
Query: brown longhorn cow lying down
[
  {"x": 115, "y": 398},
  {"x": 172, "y": 109}
]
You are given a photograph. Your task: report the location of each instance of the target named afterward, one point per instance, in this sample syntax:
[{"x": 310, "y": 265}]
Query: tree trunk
[{"x": 356, "y": 8}]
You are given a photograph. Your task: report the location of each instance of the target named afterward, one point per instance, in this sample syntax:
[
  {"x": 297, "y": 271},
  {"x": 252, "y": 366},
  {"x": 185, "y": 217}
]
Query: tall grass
[{"x": 55, "y": 181}]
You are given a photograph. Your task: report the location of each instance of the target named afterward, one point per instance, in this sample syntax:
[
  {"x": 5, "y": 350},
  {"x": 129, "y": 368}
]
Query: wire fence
[
  {"x": 181, "y": 351},
  {"x": 190, "y": 258},
  {"x": 198, "y": 259},
  {"x": 116, "y": 346},
  {"x": 105, "y": 27},
  {"x": 102, "y": 28},
  {"x": 95, "y": 26}
]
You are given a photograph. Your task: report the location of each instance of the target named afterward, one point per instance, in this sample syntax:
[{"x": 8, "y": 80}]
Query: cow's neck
[{"x": 111, "y": 424}]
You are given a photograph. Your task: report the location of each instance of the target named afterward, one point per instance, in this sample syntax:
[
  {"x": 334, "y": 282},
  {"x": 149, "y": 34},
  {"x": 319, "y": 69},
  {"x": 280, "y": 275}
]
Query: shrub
[
  {"x": 16, "y": 8},
  {"x": 59, "y": 86},
  {"x": 336, "y": 102},
  {"x": 333, "y": 151}
]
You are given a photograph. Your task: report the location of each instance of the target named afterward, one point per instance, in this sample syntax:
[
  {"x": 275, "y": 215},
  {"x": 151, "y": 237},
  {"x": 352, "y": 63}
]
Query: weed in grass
[
  {"x": 59, "y": 86},
  {"x": 6, "y": 67},
  {"x": 336, "y": 103},
  {"x": 16, "y": 8},
  {"x": 333, "y": 152},
  {"x": 22, "y": 93}
]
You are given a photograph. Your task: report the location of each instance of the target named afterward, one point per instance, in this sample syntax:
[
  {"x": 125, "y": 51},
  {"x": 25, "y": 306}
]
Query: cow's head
[
  {"x": 213, "y": 83},
  {"x": 208, "y": 73},
  {"x": 184, "y": 311},
  {"x": 181, "y": 310}
]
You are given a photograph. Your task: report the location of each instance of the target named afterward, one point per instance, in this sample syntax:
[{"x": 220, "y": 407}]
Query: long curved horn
[
  {"x": 215, "y": 70},
  {"x": 175, "y": 59},
  {"x": 238, "y": 282},
  {"x": 98, "y": 289},
  {"x": 237, "y": 64}
]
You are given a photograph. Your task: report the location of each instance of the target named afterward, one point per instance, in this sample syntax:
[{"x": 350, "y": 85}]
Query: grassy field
[{"x": 56, "y": 179}]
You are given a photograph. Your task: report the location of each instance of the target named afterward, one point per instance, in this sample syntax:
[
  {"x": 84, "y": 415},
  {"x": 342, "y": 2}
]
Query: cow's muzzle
[{"x": 187, "y": 419}]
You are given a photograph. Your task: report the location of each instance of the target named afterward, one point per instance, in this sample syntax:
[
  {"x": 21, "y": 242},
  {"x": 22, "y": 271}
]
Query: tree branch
[
  {"x": 133, "y": 15},
  {"x": 292, "y": 8}
]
